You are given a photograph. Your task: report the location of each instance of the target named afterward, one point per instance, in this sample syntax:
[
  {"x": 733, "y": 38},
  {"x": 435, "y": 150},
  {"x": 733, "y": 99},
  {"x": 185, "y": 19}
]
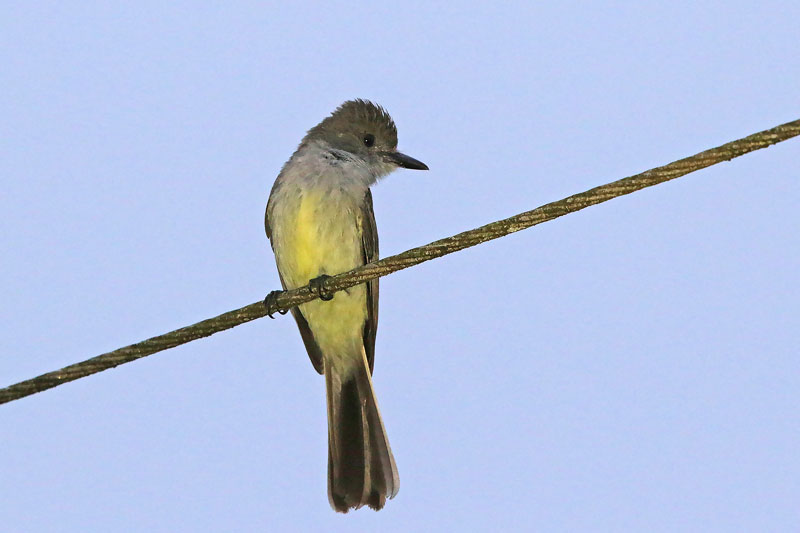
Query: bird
[{"x": 320, "y": 222}]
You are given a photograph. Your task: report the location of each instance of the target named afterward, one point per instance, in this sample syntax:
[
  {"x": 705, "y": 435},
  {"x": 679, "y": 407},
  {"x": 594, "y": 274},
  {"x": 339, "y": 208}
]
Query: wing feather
[{"x": 369, "y": 243}]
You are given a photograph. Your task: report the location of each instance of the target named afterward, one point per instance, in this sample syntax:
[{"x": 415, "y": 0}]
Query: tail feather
[{"x": 361, "y": 468}]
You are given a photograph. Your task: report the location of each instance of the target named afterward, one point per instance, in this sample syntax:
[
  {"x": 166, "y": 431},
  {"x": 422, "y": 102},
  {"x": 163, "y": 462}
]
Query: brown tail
[{"x": 361, "y": 467}]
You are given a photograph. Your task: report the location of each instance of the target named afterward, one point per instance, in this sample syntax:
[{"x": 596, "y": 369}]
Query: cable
[{"x": 406, "y": 259}]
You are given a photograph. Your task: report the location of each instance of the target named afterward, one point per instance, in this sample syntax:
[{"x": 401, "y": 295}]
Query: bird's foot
[
  {"x": 271, "y": 304},
  {"x": 317, "y": 286}
]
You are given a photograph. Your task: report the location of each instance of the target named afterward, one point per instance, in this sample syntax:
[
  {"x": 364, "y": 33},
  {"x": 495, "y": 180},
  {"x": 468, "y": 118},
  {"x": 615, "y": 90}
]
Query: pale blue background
[{"x": 631, "y": 367}]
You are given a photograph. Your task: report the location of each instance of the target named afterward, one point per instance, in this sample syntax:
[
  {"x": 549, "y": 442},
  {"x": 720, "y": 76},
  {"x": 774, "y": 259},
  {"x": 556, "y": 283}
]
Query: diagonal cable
[{"x": 386, "y": 266}]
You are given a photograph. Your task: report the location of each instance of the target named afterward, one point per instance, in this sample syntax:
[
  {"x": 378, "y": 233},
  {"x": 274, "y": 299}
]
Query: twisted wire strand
[{"x": 409, "y": 258}]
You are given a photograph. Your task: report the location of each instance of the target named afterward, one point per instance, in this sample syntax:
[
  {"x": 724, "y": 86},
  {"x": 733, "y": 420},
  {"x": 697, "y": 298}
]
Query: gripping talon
[
  {"x": 317, "y": 286},
  {"x": 271, "y": 304}
]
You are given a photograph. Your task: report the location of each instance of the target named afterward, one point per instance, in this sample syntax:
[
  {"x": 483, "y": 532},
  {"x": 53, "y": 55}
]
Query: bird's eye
[{"x": 369, "y": 140}]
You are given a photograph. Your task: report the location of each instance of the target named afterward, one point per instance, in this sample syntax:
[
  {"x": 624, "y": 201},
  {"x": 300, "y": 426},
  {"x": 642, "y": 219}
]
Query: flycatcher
[{"x": 320, "y": 223}]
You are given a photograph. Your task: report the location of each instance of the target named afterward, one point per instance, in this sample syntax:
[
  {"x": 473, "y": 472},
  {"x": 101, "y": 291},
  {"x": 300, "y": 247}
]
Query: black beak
[{"x": 402, "y": 160}]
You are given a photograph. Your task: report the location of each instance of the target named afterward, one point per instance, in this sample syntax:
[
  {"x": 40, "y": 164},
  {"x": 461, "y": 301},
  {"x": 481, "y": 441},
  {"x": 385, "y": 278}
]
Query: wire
[{"x": 406, "y": 259}]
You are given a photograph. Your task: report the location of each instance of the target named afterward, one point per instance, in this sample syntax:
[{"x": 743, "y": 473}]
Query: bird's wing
[
  {"x": 369, "y": 245},
  {"x": 314, "y": 353}
]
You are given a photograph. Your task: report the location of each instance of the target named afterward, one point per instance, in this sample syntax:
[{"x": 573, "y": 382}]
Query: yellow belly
[{"x": 319, "y": 234}]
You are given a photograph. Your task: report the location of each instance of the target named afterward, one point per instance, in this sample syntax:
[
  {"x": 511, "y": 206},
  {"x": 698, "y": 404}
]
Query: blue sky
[{"x": 633, "y": 366}]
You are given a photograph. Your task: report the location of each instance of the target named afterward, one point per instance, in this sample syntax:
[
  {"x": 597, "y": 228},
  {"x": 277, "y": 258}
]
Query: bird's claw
[
  {"x": 271, "y": 304},
  {"x": 317, "y": 286}
]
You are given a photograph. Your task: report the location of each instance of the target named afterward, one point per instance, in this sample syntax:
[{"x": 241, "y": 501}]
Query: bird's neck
[{"x": 319, "y": 157}]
